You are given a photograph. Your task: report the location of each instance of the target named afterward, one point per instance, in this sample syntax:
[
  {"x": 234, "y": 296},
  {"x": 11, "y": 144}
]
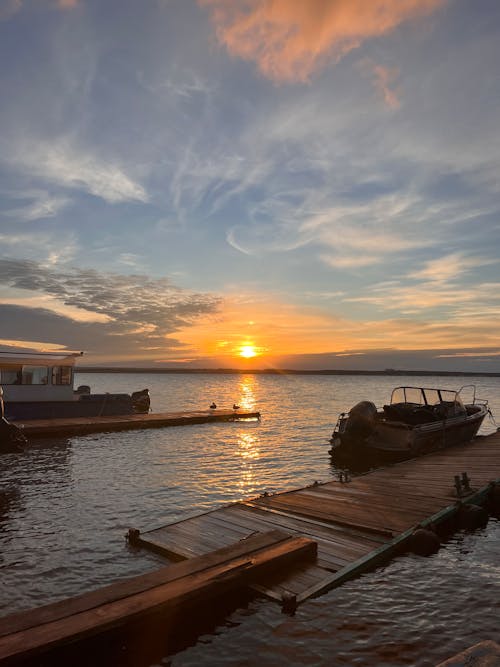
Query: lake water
[{"x": 69, "y": 502}]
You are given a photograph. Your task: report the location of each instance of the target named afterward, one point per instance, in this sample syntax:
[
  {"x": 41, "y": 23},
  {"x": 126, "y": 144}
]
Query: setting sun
[{"x": 248, "y": 351}]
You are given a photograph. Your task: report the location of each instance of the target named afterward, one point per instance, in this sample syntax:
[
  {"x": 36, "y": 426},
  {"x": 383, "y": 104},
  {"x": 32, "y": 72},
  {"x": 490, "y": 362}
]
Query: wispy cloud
[
  {"x": 63, "y": 164},
  {"x": 42, "y": 246},
  {"x": 443, "y": 285},
  {"x": 290, "y": 40},
  {"x": 449, "y": 267},
  {"x": 10, "y": 7},
  {"x": 41, "y": 204}
]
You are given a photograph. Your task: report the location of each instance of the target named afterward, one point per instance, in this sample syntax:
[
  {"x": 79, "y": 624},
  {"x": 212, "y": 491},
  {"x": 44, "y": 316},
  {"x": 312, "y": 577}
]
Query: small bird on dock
[
  {"x": 213, "y": 406},
  {"x": 236, "y": 407}
]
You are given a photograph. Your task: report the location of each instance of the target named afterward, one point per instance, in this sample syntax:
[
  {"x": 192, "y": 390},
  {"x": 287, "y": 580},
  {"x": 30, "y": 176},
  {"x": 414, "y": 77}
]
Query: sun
[{"x": 248, "y": 351}]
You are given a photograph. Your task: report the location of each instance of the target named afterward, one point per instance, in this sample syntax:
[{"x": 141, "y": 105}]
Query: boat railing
[{"x": 475, "y": 399}]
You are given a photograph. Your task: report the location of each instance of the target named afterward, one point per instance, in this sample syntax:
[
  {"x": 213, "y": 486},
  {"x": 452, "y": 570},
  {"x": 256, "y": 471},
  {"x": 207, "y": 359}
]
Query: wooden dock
[
  {"x": 357, "y": 524},
  {"x": 289, "y": 546},
  {"x": 168, "y": 591},
  {"x": 41, "y": 428}
]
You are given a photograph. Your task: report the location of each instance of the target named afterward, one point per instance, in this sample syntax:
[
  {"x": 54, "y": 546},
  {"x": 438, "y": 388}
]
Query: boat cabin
[{"x": 37, "y": 376}]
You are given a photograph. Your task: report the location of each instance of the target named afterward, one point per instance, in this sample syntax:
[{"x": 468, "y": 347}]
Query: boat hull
[{"x": 85, "y": 406}]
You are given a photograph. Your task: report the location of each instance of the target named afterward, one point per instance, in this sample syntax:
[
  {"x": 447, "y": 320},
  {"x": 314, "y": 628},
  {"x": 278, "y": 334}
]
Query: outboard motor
[
  {"x": 362, "y": 419},
  {"x": 140, "y": 400},
  {"x": 82, "y": 389},
  {"x": 11, "y": 437}
]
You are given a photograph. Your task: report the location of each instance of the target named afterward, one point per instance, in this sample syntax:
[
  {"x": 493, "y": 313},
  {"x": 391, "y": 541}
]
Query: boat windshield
[{"x": 424, "y": 396}]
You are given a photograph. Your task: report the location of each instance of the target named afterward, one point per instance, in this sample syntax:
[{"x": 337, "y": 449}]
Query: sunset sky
[{"x": 252, "y": 183}]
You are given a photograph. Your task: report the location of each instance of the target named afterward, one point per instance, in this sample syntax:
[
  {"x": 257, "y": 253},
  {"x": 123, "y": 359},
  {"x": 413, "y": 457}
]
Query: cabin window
[
  {"x": 35, "y": 375},
  {"x": 11, "y": 375},
  {"x": 61, "y": 375}
]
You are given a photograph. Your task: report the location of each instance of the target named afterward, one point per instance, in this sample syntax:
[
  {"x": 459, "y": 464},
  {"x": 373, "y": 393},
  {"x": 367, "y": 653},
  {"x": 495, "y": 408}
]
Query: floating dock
[
  {"x": 42, "y": 428},
  {"x": 357, "y": 524}
]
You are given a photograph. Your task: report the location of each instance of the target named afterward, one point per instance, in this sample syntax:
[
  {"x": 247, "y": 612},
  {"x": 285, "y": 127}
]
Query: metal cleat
[{"x": 465, "y": 482}]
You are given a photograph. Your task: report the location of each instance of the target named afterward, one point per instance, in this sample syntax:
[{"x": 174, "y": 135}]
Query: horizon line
[{"x": 278, "y": 371}]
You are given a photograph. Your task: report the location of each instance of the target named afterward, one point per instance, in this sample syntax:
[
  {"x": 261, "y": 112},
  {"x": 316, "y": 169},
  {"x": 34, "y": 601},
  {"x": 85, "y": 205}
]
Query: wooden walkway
[
  {"x": 41, "y": 428},
  {"x": 356, "y": 524}
]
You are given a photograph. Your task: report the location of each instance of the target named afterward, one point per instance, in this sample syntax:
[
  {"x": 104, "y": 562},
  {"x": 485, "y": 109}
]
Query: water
[{"x": 68, "y": 504}]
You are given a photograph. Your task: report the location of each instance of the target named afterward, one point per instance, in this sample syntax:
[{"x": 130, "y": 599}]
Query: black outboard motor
[
  {"x": 83, "y": 389},
  {"x": 11, "y": 437},
  {"x": 141, "y": 401},
  {"x": 362, "y": 418}
]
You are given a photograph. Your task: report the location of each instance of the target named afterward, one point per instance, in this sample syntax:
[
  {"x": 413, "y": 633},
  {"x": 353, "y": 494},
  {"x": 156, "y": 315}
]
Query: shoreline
[{"x": 278, "y": 371}]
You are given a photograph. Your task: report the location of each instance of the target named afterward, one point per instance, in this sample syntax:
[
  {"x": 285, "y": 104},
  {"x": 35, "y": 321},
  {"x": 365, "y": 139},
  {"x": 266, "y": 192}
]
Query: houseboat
[{"x": 40, "y": 386}]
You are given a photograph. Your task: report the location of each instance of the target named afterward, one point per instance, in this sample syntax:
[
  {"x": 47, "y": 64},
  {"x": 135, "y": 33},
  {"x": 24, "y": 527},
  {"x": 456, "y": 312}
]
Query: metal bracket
[{"x": 462, "y": 485}]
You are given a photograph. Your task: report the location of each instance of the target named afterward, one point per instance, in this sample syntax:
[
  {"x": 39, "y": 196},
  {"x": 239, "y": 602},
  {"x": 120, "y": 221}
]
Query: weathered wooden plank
[
  {"x": 204, "y": 532},
  {"x": 351, "y": 530},
  {"x": 484, "y": 654},
  {"x": 366, "y": 488},
  {"x": 32, "y": 631},
  {"x": 359, "y": 517},
  {"x": 330, "y": 554},
  {"x": 304, "y": 526},
  {"x": 375, "y": 501}
]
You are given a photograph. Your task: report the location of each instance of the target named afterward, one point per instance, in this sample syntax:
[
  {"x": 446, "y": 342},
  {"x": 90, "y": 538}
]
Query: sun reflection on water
[
  {"x": 247, "y": 444},
  {"x": 247, "y": 386},
  {"x": 249, "y": 452}
]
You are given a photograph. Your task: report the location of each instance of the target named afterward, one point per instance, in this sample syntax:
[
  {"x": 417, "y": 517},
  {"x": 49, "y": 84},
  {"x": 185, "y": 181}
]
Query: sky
[{"x": 252, "y": 183}]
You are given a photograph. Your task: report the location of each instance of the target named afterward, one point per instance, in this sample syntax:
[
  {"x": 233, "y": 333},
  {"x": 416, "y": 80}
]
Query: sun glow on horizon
[{"x": 248, "y": 351}]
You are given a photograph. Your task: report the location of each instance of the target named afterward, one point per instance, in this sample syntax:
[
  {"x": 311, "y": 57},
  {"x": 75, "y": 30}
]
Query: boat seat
[
  {"x": 409, "y": 413},
  {"x": 447, "y": 409}
]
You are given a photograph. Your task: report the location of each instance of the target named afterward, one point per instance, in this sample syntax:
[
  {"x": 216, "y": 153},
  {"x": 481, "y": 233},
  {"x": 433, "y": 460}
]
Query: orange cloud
[
  {"x": 289, "y": 39},
  {"x": 383, "y": 78}
]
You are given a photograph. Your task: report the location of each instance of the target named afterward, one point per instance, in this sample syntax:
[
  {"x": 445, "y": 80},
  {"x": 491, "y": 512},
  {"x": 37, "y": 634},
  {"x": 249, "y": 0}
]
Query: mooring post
[
  {"x": 133, "y": 536},
  {"x": 288, "y": 603}
]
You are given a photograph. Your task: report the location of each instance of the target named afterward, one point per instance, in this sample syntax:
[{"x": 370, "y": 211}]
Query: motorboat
[
  {"x": 41, "y": 386},
  {"x": 417, "y": 420}
]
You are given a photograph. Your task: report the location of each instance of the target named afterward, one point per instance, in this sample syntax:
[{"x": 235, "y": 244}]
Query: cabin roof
[{"x": 38, "y": 358}]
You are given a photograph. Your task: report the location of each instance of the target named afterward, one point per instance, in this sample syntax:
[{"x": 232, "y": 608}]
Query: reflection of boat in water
[
  {"x": 9, "y": 496},
  {"x": 11, "y": 437},
  {"x": 40, "y": 386},
  {"x": 418, "y": 420}
]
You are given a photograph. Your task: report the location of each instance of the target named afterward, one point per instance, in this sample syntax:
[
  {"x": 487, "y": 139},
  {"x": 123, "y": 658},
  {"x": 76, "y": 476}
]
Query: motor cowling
[
  {"x": 141, "y": 400},
  {"x": 362, "y": 419}
]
